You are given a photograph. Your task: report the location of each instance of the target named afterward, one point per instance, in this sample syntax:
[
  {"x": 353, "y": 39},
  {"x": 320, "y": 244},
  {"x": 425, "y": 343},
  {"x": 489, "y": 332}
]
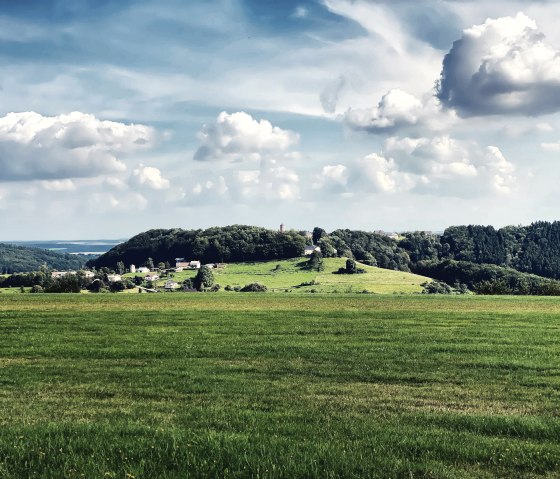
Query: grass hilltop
[{"x": 291, "y": 275}]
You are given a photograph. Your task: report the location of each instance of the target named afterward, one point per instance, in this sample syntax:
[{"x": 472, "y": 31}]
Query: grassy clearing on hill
[
  {"x": 205, "y": 385},
  {"x": 289, "y": 275}
]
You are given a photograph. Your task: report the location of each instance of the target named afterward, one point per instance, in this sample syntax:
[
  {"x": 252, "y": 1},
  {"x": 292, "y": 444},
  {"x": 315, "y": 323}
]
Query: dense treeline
[
  {"x": 532, "y": 249},
  {"x": 17, "y": 259},
  {"x": 214, "y": 245},
  {"x": 248, "y": 243},
  {"x": 488, "y": 278},
  {"x": 372, "y": 248},
  {"x": 42, "y": 281}
]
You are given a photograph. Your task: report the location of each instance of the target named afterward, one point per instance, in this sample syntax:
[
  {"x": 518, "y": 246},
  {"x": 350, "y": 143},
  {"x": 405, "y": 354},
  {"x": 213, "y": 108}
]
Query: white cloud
[
  {"x": 257, "y": 152},
  {"x": 59, "y": 185},
  {"x": 122, "y": 203},
  {"x": 450, "y": 167},
  {"x": 149, "y": 177},
  {"x": 554, "y": 147},
  {"x": 72, "y": 145},
  {"x": 115, "y": 183},
  {"x": 398, "y": 110},
  {"x": 238, "y": 136},
  {"x": 503, "y": 66},
  {"x": 440, "y": 166}
]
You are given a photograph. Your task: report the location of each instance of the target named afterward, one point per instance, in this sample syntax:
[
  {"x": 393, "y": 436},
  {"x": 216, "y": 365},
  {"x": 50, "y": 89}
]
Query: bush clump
[{"x": 254, "y": 288}]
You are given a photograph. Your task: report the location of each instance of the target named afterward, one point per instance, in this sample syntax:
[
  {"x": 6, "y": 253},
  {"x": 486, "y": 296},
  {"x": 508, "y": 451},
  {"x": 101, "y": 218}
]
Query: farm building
[
  {"x": 309, "y": 250},
  {"x": 60, "y": 274}
]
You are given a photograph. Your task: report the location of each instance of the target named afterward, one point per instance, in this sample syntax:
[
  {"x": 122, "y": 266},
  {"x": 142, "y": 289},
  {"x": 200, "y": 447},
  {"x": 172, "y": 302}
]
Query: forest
[
  {"x": 17, "y": 259},
  {"x": 514, "y": 259},
  {"x": 451, "y": 257}
]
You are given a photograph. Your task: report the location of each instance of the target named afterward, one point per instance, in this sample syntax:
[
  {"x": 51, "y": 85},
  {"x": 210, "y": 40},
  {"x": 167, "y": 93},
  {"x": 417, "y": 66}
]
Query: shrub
[
  {"x": 204, "y": 278},
  {"x": 254, "y": 288},
  {"x": 436, "y": 287},
  {"x": 351, "y": 268}
]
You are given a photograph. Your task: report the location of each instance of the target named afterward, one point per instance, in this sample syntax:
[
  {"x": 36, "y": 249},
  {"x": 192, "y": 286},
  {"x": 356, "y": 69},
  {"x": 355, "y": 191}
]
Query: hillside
[
  {"x": 288, "y": 275},
  {"x": 239, "y": 243},
  {"x": 221, "y": 244},
  {"x": 18, "y": 259}
]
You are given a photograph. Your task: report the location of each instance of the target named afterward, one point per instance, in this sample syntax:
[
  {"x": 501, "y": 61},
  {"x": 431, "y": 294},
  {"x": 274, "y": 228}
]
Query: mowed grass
[
  {"x": 279, "y": 385},
  {"x": 290, "y": 275}
]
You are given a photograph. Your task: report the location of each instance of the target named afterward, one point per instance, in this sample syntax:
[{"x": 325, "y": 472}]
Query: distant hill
[
  {"x": 18, "y": 259},
  {"x": 239, "y": 243},
  {"x": 533, "y": 249},
  {"x": 221, "y": 244}
]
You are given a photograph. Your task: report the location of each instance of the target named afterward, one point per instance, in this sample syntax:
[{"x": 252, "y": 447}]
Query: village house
[
  {"x": 133, "y": 268},
  {"x": 180, "y": 264},
  {"x": 89, "y": 274},
  {"x": 60, "y": 274},
  {"x": 152, "y": 277},
  {"x": 113, "y": 278},
  {"x": 143, "y": 269}
]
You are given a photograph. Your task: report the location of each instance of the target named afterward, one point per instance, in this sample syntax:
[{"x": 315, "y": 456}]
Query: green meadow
[
  {"x": 291, "y": 276},
  {"x": 279, "y": 386}
]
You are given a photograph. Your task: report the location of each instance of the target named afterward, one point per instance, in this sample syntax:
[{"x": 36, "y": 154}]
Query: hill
[
  {"x": 240, "y": 243},
  {"x": 290, "y": 275},
  {"x": 220, "y": 244},
  {"x": 18, "y": 259}
]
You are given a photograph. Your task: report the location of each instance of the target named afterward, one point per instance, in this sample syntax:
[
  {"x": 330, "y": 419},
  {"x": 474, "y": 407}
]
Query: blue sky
[{"x": 120, "y": 116}]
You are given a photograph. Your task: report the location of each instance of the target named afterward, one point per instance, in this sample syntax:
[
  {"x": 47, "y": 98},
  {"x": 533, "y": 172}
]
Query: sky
[{"x": 119, "y": 116}]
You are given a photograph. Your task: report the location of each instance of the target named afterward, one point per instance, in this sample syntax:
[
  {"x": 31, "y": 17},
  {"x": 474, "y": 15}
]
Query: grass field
[
  {"x": 282, "y": 275},
  {"x": 279, "y": 385}
]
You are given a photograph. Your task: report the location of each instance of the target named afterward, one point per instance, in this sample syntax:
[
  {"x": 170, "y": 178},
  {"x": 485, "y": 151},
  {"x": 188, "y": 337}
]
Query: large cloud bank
[
  {"x": 504, "y": 66},
  {"x": 440, "y": 166},
  {"x": 74, "y": 145}
]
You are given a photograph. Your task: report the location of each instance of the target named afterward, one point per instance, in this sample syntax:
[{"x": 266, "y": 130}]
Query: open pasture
[
  {"x": 279, "y": 385},
  {"x": 290, "y": 275}
]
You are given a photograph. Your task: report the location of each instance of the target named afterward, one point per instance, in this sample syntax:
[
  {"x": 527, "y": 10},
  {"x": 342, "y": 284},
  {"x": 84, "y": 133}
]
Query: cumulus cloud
[
  {"x": 238, "y": 136},
  {"x": 259, "y": 152},
  {"x": 149, "y": 177},
  {"x": 245, "y": 186},
  {"x": 440, "y": 166},
  {"x": 398, "y": 110},
  {"x": 504, "y": 66},
  {"x": 71, "y": 145}
]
